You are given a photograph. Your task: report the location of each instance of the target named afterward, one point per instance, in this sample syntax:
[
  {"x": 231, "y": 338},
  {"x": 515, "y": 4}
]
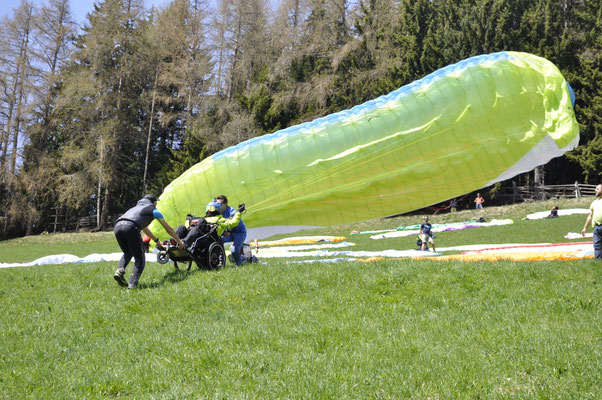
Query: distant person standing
[
  {"x": 478, "y": 201},
  {"x": 595, "y": 218},
  {"x": 426, "y": 234},
  {"x": 453, "y": 205},
  {"x": 127, "y": 232}
]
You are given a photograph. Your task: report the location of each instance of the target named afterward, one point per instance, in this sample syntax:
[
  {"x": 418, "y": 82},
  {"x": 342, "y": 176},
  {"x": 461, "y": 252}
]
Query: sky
[{"x": 79, "y": 8}]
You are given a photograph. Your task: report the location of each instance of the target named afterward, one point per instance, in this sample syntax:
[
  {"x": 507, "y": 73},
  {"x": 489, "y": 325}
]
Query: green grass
[
  {"x": 391, "y": 329},
  {"x": 33, "y": 247}
]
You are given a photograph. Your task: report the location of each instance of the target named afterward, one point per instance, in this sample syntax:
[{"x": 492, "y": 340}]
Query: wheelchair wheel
[
  {"x": 216, "y": 256},
  {"x": 163, "y": 257}
]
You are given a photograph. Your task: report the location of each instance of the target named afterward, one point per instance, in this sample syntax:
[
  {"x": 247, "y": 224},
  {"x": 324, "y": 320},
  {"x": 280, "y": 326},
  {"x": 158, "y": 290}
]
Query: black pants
[
  {"x": 182, "y": 231},
  {"x": 189, "y": 235},
  {"x": 130, "y": 242}
]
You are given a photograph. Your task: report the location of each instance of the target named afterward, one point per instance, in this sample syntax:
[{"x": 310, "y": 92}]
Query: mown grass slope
[{"x": 389, "y": 329}]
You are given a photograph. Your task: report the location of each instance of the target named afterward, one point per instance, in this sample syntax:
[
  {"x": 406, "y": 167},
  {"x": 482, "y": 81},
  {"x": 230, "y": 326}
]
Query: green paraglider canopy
[{"x": 461, "y": 128}]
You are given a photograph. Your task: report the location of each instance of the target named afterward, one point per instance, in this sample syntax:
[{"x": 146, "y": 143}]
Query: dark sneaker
[{"x": 120, "y": 278}]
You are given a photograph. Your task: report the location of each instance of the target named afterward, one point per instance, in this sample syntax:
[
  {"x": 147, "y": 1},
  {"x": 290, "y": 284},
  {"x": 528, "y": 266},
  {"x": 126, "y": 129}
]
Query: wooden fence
[
  {"x": 65, "y": 223},
  {"x": 517, "y": 194}
]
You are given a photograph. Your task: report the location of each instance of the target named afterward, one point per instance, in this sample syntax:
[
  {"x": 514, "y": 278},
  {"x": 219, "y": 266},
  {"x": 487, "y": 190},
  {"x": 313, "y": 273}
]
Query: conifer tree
[
  {"x": 54, "y": 29},
  {"x": 17, "y": 84},
  {"x": 18, "y": 71},
  {"x": 241, "y": 37},
  {"x": 183, "y": 73},
  {"x": 586, "y": 83},
  {"x": 106, "y": 77}
]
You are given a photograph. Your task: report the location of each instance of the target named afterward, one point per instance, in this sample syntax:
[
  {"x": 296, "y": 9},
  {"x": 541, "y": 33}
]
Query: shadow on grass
[
  {"x": 173, "y": 276},
  {"x": 179, "y": 275}
]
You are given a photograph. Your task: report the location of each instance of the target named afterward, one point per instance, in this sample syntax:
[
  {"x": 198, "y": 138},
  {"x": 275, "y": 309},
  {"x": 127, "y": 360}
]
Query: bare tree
[
  {"x": 53, "y": 32},
  {"x": 186, "y": 66},
  {"x": 54, "y": 28},
  {"x": 102, "y": 93},
  {"x": 287, "y": 31},
  {"x": 16, "y": 62},
  {"x": 241, "y": 35},
  {"x": 15, "y": 59}
]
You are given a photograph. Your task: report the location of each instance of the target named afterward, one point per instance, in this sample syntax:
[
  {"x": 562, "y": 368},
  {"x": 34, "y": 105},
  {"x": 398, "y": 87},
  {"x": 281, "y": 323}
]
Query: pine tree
[
  {"x": 105, "y": 78},
  {"x": 54, "y": 29},
  {"x": 16, "y": 64},
  {"x": 17, "y": 84},
  {"x": 586, "y": 83},
  {"x": 183, "y": 85},
  {"x": 241, "y": 37}
]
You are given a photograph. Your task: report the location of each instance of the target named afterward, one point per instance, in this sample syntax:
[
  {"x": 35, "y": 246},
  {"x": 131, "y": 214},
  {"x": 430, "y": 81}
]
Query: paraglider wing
[{"x": 461, "y": 128}]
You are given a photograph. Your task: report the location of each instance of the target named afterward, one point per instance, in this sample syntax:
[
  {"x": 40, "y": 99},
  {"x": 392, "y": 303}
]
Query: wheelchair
[{"x": 207, "y": 252}]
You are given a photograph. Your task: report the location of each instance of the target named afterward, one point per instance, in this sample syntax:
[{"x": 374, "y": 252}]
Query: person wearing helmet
[
  {"x": 213, "y": 216},
  {"x": 237, "y": 234},
  {"x": 127, "y": 232}
]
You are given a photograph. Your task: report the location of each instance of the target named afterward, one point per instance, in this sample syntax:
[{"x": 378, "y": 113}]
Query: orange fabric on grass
[
  {"x": 551, "y": 256},
  {"x": 301, "y": 240}
]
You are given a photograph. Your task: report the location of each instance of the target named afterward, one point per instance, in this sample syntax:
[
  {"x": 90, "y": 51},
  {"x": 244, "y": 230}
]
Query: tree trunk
[
  {"x": 6, "y": 134},
  {"x": 104, "y": 216},
  {"x": 150, "y": 129},
  {"x": 235, "y": 59},
  {"x": 539, "y": 175},
  {"x": 13, "y": 157},
  {"x": 21, "y": 82}
]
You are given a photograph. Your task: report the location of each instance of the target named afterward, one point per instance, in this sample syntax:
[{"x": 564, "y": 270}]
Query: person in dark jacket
[
  {"x": 127, "y": 232},
  {"x": 426, "y": 234},
  {"x": 553, "y": 212}
]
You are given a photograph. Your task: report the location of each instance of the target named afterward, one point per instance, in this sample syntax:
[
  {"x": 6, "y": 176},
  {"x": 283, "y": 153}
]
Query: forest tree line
[{"x": 94, "y": 116}]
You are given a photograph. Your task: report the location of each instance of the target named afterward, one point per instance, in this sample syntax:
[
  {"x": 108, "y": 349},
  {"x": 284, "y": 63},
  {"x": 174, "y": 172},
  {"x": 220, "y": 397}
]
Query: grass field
[{"x": 417, "y": 329}]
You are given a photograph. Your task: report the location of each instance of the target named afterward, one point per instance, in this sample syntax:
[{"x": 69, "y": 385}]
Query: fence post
[
  {"x": 577, "y": 190},
  {"x": 65, "y": 221},
  {"x": 56, "y": 218}
]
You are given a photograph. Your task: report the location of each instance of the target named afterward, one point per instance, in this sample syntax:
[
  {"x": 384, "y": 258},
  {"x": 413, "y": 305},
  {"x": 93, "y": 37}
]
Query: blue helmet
[{"x": 213, "y": 206}]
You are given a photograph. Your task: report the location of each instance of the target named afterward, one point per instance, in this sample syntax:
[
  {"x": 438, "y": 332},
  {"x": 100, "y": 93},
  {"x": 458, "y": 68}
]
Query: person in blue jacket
[
  {"x": 127, "y": 232},
  {"x": 236, "y": 235}
]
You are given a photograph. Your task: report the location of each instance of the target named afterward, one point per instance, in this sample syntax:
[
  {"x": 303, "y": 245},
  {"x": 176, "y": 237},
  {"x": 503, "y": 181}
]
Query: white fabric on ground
[
  {"x": 568, "y": 211},
  {"x": 326, "y": 253},
  {"x": 494, "y": 222},
  {"x": 574, "y": 235},
  {"x": 70, "y": 258},
  {"x": 318, "y": 250}
]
